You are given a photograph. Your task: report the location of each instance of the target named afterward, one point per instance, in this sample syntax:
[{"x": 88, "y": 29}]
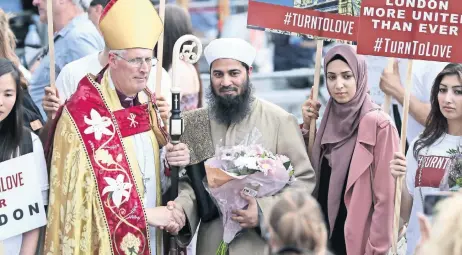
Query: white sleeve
[
  {"x": 166, "y": 86},
  {"x": 411, "y": 168},
  {"x": 423, "y": 78},
  {"x": 41, "y": 167},
  {"x": 62, "y": 82},
  {"x": 165, "y": 83},
  {"x": 418, "y": 81}
]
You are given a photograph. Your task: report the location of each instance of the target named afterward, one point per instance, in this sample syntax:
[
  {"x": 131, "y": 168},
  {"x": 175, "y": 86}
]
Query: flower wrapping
[{"x": 247, "y": 168}]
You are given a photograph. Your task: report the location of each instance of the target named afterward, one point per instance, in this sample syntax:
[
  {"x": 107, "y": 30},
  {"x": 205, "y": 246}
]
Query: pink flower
[
  {"x": 258, "y": 150},
  {"x": 266, "y": 165}
]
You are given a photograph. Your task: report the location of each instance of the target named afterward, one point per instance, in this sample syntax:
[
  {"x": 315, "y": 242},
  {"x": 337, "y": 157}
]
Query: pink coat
[{"x": 368, "y": 226}]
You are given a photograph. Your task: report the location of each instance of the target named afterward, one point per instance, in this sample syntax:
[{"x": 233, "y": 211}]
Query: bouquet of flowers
[
  {"x": 247, "y": 168},
  {"x": 452, "y": 179}
]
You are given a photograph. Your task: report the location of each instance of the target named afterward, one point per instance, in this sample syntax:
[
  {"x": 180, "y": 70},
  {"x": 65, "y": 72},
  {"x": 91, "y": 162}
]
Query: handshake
[{"x": 170, "y": 217}]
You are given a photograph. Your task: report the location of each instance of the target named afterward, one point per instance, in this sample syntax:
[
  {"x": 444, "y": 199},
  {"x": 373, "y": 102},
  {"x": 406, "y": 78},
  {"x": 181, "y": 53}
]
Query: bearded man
[{"x": 233, "y": 113}]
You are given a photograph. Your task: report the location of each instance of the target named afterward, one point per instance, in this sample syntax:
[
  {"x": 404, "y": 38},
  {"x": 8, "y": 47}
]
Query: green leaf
[
  {"x": 291, "y": 173},
  {"x": 459, "y": 181},
  {"x": 222, "y": 248},
  {"x": 132, "y": 250},
  {"x": 452, "y": 151}
]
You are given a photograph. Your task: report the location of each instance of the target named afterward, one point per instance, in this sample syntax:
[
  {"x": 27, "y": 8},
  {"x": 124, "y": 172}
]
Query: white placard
[
  {"x": 21, "y": 201},
  {"x": 375, "y": 67}
]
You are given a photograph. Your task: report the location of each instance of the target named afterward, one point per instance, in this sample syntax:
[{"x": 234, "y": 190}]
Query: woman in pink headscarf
[{"x": 351, "y": 155}]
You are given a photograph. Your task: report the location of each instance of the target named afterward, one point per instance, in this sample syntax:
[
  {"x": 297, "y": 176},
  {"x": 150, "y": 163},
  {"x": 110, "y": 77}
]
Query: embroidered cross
[
  {"x": 133, "y": 122},
  {"x": 176, "y": 102}
]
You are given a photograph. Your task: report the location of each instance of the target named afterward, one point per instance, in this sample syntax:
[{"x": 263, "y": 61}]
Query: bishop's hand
[
  {"x": 179, "y": 217},
  {"x": 160, "y": 217},
  {"x": 164, "y": 108},
  {"x": 170, "y": 217}
]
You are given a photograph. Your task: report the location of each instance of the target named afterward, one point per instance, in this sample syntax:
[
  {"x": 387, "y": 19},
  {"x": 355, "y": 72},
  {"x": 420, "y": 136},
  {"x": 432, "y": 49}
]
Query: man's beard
[{"x": 229, "y": 109}]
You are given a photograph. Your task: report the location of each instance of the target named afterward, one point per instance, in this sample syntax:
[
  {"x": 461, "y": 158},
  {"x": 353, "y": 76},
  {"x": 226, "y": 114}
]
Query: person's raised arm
[{"x": 390, "y": 84}]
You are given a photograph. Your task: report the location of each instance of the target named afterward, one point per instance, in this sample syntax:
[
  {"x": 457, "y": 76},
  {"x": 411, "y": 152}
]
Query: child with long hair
[
  {"x": 15, "y": 141},
  {"x": 429, "y": 154},
  {"x": 296, "y": 226}
]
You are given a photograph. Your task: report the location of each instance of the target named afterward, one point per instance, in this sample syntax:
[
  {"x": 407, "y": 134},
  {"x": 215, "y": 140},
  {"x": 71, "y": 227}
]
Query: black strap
[
  {"x": 47, "y": 48},
  {"x": 27, "y": 145},
  {"x": 398, "y": 123},
  {"x": 207, "y": 209},
  {"x": 291, "y": 249}
]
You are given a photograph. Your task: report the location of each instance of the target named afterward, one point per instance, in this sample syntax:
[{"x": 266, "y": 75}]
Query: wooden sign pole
[
  {"x": 160, "y": 50},
  {"x": 51, "y": 43},
  {"x": 315, "y": 91},
  {"x": 399, "y": 180},
  {"x": 223, "y": 7}
]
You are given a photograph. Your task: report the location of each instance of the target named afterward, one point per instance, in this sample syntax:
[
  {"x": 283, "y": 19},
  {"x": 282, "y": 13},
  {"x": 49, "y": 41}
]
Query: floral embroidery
[
  {"x": 70, "y": 216},
  {"x": 103, "y": 156},
  {"x": 98, "y": 125},
  {"x": 119, "y": 158},
  {"x": 68, "y": 245},
  {"x": 117, "y": 188},
  {"x": 130, "y": 244}
]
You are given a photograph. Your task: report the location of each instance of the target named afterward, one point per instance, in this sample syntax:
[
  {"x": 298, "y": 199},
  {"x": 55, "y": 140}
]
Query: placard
[
  {"x": 21, "y": 201},
  {"x": 319, "y": 19},
  {"x": 411, "y": 29}
]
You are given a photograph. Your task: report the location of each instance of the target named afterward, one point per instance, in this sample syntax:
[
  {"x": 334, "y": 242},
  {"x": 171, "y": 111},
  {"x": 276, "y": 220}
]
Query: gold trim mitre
[{"x": 127, "y": 24}]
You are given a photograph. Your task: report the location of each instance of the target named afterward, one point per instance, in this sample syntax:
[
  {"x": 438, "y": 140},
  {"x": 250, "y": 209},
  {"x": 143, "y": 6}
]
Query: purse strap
[{"x": 372, "y": 179}]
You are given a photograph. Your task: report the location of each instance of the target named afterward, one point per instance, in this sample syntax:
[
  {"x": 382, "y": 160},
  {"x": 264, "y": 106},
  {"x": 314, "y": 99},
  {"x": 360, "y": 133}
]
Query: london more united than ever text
[{"x": 413, "y": 29}]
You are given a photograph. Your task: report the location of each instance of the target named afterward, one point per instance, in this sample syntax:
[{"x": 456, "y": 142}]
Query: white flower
[
  {"x": 98, "y": 125},
  {"x": 130, "y": 244},
  {"x": 118, "y": 188},
  {"x": 246, "y": 162}
]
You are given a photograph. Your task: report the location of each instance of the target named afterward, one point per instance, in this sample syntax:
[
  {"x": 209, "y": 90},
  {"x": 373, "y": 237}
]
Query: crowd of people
[{"x": 104, "y": 156}]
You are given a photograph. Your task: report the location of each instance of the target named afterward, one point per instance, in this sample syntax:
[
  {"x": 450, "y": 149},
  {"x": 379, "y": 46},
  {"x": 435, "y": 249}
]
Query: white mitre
[{"x": 231, "y": 48}]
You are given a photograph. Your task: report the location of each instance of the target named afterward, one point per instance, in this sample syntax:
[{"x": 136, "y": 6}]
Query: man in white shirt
[{"x": 423, "y": 77}]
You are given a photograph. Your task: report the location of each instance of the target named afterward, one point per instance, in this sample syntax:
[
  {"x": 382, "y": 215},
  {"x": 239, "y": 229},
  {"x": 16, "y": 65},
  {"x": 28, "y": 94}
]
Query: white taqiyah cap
[{"x": 231, "y": 48}]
